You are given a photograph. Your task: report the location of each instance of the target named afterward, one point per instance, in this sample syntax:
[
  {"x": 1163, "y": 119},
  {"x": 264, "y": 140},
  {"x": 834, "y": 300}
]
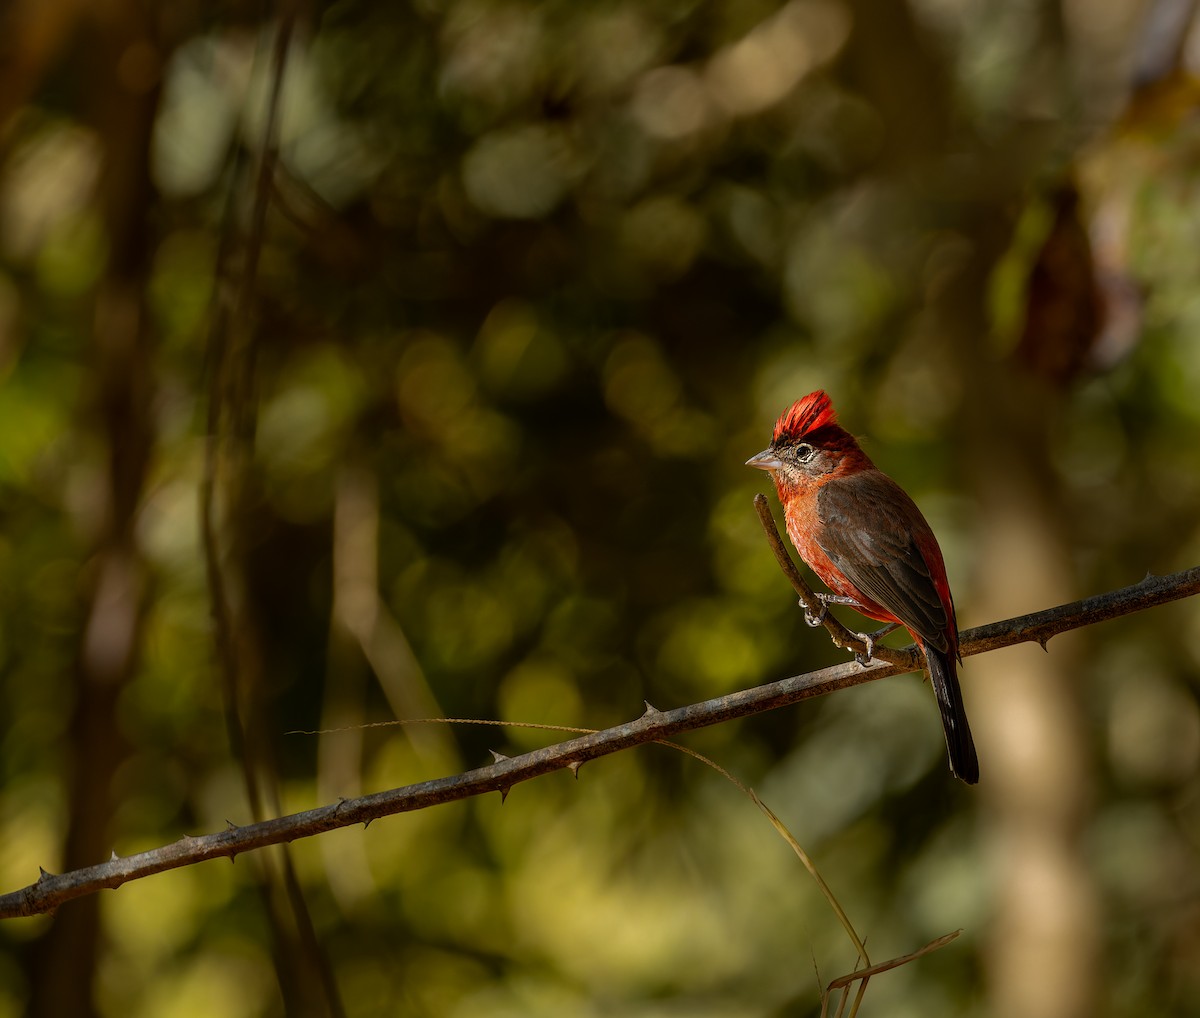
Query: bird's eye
[{"x": 804, "y": 452}]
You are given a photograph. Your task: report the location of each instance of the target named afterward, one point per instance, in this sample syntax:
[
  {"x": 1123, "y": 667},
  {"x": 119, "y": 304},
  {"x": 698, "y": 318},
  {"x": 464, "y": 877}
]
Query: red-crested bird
[{"x": 859, "y": 531}]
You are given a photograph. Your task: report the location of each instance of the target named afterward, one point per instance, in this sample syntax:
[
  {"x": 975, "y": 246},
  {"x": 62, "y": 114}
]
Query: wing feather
[{"x": 875, "y": 535}]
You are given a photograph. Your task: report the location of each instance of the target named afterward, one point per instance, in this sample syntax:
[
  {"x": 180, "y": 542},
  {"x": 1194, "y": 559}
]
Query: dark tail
[{"x": 943, "y": 674}]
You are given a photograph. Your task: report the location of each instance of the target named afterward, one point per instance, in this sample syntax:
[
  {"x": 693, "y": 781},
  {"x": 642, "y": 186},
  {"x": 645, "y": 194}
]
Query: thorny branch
[{"x": 51, "y": 890}]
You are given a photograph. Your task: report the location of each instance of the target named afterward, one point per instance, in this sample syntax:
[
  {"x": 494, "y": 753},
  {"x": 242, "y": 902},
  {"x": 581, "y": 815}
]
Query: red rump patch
[{"x": 813, "y": 412}]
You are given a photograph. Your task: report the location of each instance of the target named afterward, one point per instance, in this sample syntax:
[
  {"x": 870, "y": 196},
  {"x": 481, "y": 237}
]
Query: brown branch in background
[
  {"x": 32, "y": 37},
  {"x": 362, "y": 616},
  {"x": 230, "y": 409},
  {"x": 654, "y": 726},
  {"x": 119, "y": 409},
  {"x": 305, "y": 975},
  {"x": 365, "y": 639}
]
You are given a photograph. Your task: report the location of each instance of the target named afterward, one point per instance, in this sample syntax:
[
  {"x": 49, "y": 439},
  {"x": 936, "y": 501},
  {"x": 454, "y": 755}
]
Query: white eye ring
[{"x": 805, "y": 452}]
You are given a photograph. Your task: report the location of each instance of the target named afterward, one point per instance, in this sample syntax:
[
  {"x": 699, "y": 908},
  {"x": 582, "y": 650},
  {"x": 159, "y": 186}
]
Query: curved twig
[{"x": 842, "y": 637}]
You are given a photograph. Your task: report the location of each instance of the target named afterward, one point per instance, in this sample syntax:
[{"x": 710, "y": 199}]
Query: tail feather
[{"x": 943, "y": 674}]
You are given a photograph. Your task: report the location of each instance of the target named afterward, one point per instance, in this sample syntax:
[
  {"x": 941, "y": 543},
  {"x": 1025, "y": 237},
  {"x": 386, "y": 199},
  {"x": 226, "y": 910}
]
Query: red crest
[{"x": 813, "y": 412}]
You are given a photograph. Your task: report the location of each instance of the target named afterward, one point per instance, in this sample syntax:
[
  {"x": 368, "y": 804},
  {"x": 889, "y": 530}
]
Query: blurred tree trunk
[
  {"x": 1043, "y": 954},
  {"x": 122, "y": 79},
  {"x": 1025, "y": 704}
]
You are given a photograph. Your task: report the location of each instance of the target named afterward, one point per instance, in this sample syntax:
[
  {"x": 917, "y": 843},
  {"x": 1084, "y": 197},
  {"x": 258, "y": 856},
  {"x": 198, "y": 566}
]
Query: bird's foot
[
  {"x": 817, "y": 618},
  {"x": 864, "y": 657}
]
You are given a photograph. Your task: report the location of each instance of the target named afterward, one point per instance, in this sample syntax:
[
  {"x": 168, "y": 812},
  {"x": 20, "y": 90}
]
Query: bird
[{"x": 862, "y": 534}]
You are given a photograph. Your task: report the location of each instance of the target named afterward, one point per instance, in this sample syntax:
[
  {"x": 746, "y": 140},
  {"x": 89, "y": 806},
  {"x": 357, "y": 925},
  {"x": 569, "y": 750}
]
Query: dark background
[{"x": 440, "y": 406}]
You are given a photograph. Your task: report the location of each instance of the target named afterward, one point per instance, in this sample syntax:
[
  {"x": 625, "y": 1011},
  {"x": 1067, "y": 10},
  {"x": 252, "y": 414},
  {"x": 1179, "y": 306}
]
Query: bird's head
[{"x": 808, "y": 444}]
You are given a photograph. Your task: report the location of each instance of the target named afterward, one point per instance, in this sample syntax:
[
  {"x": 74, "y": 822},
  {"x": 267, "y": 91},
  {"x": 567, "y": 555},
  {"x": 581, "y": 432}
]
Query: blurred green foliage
[{"x": 535, "y": 280}]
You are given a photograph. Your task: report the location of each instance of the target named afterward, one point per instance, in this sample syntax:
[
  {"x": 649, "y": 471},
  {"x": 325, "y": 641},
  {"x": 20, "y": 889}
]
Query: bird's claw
[
  {"x": 864, "y": 657},
  {"x": 826, "y": 600},
  {"x": 815, "y": 619}
]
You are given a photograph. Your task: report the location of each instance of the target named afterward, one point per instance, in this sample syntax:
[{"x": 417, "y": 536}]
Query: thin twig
[
  {"x": 654, "y": 726},
  {"x": 231, "y": 359},
  {"x": 885, "y": 966},
  {"x": 809, "y": 865}
]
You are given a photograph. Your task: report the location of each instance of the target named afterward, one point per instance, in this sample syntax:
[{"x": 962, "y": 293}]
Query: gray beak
[{"x": 765, "y": 460}]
